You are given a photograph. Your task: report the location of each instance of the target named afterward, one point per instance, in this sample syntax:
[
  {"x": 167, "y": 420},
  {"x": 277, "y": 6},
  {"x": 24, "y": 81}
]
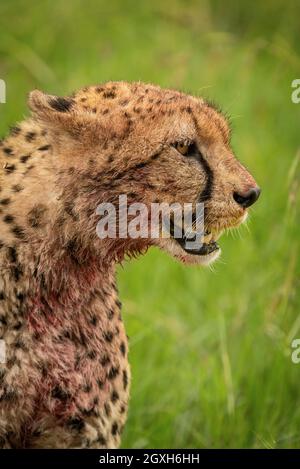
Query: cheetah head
[{"x": 155, "y": 146}]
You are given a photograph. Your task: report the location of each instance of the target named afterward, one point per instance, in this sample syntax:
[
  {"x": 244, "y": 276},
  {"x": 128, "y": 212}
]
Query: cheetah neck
[{"x": 48, "y": 237}]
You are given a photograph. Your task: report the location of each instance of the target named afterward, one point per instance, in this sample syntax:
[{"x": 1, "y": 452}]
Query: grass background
[{"x": 210, "y": 349}]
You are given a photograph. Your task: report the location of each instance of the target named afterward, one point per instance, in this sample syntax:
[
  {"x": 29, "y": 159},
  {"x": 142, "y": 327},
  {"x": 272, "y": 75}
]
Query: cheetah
[{"x": 65, "y": 379}]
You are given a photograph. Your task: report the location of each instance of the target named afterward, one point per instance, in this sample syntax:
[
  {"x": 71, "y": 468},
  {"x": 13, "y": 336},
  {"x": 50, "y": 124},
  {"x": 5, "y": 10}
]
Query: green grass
[{"x": 210, "y": 349}]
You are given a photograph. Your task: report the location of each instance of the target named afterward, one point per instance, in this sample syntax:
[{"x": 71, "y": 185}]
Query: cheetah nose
[{"x": 247, "y": 198}]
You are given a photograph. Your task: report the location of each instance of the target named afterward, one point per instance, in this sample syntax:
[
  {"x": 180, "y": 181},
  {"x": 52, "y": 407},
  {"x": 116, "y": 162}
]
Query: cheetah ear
[
  {"x": 62, "y": 115},
  {"x": 51, "y": 109},
  {"x": 65, "y": 118}
]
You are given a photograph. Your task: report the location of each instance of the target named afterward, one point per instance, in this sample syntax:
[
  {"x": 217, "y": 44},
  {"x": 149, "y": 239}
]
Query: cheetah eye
[{"x": 186, "y": 149}]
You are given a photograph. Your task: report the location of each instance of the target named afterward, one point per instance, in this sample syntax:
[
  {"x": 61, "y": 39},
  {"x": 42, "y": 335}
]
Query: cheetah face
[
  {"x": 155, "y": 146},
  {"x": 226, "y": 192}
]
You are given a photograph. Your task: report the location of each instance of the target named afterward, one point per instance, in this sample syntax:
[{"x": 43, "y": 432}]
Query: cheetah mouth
[
  {"x": 195, "y": 243},
  {"x": 198, "y": 249}
]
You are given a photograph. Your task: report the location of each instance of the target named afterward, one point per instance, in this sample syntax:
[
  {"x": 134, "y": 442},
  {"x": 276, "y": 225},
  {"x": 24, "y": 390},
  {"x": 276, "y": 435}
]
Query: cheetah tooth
[{"x": 207, "y": 239}]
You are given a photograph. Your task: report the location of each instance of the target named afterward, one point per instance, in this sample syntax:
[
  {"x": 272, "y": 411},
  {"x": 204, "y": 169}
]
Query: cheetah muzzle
[{"x": 65, "y": 380}]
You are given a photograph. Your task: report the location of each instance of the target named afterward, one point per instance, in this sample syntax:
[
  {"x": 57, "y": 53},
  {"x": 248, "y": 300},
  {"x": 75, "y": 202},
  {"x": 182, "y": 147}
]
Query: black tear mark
[
  {"x": 61, "y": 104},
  {"x": 207, "y": 191}
]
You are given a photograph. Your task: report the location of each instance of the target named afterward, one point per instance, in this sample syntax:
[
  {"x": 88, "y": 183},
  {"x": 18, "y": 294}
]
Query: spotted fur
[{"x": 66, "y": 379}]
